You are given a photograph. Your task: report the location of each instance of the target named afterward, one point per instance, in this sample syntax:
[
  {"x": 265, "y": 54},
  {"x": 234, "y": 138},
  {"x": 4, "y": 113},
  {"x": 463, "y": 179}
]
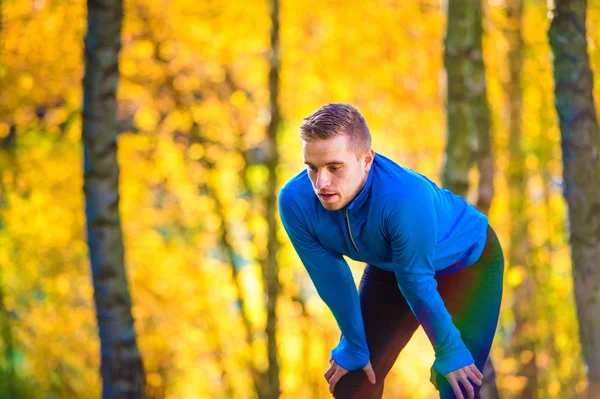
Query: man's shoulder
[
  {"x": 297, "y": 188},
  {"x": 396, "y": 183}
]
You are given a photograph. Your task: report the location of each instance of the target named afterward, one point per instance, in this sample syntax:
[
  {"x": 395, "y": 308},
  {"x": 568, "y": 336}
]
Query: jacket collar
[{"x": 363, "y": 195}]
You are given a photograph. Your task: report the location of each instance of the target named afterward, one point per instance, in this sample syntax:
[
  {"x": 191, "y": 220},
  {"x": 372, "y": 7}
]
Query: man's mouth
[{"x": 327, "y": 196}]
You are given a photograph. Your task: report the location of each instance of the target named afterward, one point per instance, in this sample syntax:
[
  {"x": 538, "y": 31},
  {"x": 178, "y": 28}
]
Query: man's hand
[
  {"x": 335, "y": 372},
  {"x": 465, "y": 375}
]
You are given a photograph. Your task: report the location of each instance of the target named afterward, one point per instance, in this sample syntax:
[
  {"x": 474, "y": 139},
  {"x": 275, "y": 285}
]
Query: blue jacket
[{"x": 402, "y": 222}]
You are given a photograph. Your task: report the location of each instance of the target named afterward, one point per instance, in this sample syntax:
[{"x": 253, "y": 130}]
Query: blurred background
[{"x": 223, "y": 307}]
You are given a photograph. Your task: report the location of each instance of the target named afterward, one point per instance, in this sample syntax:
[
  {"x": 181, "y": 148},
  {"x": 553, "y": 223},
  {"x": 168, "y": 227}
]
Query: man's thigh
[
  {"x": 389, "y": 325},
  {"x": 472, "y": 297}
]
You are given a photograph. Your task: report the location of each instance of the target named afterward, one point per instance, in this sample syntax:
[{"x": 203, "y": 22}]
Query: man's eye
[
  {"x": 312, "y": 168},
  {"x": 334, "y": 168}
]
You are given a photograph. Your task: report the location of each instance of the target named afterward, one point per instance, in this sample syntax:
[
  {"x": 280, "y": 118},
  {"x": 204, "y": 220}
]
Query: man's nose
[{"x": 322, "y": 180}]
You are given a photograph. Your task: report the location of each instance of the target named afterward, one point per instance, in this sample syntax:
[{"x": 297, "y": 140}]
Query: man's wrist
[
  {"x": 458, "y": 359},
  {"x": 350, "y": 357}
]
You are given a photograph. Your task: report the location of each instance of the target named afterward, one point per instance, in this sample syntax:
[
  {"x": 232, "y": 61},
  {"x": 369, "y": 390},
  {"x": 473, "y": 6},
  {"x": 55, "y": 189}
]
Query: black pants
[{"x": 472, "y": 295}]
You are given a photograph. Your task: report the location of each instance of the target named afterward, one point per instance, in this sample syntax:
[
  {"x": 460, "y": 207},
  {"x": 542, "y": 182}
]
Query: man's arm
[
  {"x": 412, "y": 228},
  {"x": 334, "y": 283}
]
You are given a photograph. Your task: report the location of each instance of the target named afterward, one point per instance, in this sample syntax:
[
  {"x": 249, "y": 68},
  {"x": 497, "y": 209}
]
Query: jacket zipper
[{"x": 350, "y": 230}]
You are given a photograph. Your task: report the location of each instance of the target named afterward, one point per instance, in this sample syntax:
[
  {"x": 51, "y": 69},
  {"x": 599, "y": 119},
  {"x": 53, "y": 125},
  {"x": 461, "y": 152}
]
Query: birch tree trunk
[
  {"x": 271, "y": 268},
  {"x": 121, "y": 363},
  {"x": 580, "y": 141},
  {"x": 522, "y": 346},
  {"x": 468, "y": 119},
  {"x": 468, "y": 122}
]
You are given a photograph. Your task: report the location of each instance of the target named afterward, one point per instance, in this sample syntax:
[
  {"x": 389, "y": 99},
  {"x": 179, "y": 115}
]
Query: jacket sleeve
[
  {"x": 412, "y": 228},
  {"x": 333, "y": 280}
]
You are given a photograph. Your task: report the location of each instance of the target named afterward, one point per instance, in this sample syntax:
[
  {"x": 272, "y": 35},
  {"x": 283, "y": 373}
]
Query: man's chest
[{"x": 360, "y": 237}]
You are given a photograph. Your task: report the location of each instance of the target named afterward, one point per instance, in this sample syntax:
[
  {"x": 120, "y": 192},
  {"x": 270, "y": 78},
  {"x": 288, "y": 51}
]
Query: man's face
[{"x": 336, "y": 172}]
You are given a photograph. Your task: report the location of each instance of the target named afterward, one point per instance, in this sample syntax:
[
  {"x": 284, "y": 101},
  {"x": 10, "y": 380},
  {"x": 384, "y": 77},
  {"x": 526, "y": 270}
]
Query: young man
[{"x": 431, "y": 259}]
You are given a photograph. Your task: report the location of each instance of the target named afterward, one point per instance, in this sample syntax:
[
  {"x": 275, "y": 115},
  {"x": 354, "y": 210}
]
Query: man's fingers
[
  {"x": 456, "y": 388},
  {"x": 473, "y": 377},
  {"x": 467, "y": 384},
  {"x": 370, "y": 373},
  {"x": 330, "y": 371},
  {"x": 477, "y": 372},
  {"x": 334, "y": 379}
]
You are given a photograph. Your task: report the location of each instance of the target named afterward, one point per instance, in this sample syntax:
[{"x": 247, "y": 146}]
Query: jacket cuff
[
  {"x": 348, "y": 358},
  {"x": 456, "y": 360}
]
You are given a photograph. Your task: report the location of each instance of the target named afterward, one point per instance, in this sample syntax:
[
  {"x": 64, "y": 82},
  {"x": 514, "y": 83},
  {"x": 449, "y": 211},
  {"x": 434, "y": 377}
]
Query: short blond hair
[{"x": 337, "y": 119}]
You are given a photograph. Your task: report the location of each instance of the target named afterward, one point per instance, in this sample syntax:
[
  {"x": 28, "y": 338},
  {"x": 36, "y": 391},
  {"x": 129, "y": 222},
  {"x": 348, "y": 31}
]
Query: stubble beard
[
  {"x": 336, "y": 206},
  {"x": 331, "y": 207},
  {"x": 343, "y": 201}
]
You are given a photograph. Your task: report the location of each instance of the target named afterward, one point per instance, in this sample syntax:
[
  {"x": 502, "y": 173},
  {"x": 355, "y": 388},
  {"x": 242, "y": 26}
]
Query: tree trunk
[
  {"x": 468, "y": 119},
  {"x": 483, "y": 132},
  {"x": 468, "y": 114},
  {"x": 121, "y": 364},
  {"x": 580, "y": 141},
  {"x": 523, "y": 348},
  {"x": 271, "y": 268}
]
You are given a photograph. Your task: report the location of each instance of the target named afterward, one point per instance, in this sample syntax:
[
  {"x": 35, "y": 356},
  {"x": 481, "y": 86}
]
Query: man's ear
[{"x": 369, "y": 157}]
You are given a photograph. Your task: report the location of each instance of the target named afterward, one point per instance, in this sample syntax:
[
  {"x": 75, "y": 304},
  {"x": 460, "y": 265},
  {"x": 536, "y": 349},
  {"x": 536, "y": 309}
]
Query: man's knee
[{"x": 355, "y": 385}]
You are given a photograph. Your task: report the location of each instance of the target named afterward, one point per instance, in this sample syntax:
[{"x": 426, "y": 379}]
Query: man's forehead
[
  {"x": 337, "y": 144},
  {"x": 325, "y": 156}
]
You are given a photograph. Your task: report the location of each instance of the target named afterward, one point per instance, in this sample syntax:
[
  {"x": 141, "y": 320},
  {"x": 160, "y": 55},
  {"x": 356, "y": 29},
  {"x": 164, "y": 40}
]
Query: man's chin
[{"x": 331, "y": 206}]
